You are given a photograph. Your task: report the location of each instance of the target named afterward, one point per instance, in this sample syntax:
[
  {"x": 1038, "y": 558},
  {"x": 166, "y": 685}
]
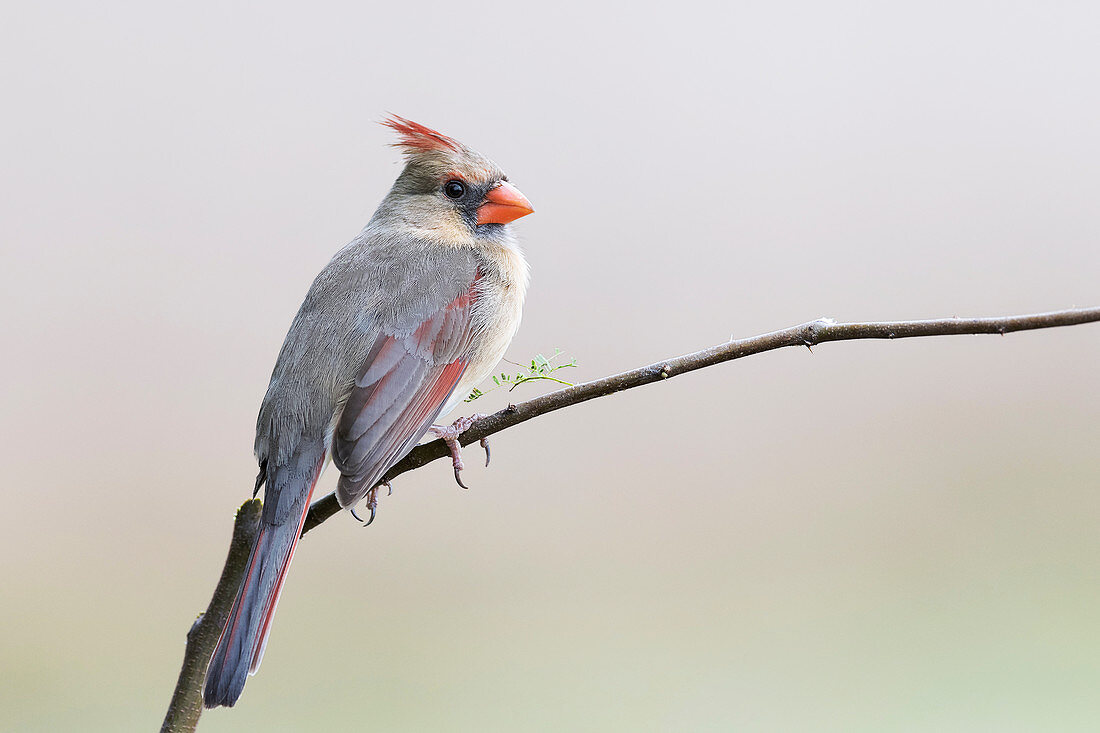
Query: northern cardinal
[{"x": 398, "y": 328}]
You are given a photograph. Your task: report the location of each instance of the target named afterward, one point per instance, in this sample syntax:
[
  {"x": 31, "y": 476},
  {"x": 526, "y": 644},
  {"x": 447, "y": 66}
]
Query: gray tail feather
[{"x": 244, "y": 637}]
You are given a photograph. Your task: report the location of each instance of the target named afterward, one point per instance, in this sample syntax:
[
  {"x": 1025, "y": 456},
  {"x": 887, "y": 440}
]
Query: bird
[{"x": 398, "y": 328}]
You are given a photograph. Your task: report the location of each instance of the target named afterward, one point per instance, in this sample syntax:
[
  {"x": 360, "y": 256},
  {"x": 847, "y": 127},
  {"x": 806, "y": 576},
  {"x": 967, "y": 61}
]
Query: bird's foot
[
  {"x": 372, "y": 502},
  {"x": 450, "y": 433}
]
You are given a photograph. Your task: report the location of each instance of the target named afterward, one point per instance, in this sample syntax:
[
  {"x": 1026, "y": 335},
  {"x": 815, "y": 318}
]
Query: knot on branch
[
  {"x": 812, "y": 331},
  {"x": 195, "y": 626}
]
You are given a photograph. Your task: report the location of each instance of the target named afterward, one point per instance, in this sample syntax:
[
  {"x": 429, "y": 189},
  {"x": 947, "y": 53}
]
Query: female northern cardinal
[{"x": 399, "y": 327}]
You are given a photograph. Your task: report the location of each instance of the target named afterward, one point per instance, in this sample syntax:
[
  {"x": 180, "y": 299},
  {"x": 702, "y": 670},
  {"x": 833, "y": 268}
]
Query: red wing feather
[{"x": 402, "y": 387}]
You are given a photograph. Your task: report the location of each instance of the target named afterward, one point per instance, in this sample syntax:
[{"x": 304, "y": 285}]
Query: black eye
[{"x": 454, "y": 189}]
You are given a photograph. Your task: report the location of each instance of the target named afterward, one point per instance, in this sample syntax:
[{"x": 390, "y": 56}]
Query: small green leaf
[{"x": 541, "y": 367}]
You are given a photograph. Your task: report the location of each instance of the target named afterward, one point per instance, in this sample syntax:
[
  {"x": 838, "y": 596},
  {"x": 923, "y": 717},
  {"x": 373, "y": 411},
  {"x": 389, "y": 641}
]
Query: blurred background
[{"x": 877, "y": 536}]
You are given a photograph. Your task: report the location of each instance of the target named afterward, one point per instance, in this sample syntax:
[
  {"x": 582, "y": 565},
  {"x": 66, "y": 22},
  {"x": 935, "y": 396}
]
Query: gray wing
[{"x": 406, "y": 379}]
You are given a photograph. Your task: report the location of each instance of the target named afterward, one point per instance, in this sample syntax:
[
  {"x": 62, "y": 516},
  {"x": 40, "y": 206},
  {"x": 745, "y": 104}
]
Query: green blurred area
[{"x": 887, "y": 536}]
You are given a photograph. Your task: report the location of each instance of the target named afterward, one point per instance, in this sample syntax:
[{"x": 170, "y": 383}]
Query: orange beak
[{"x": 503, "y": 203}]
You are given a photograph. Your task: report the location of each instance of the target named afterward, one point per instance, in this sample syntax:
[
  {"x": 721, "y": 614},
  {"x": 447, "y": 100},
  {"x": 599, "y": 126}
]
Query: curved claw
[
  {"x": 485, "y": 445},
  {"x": 458, "y": 478},
  {"x": 360, "y": 519},
  {"x": 372, "y": 504}
]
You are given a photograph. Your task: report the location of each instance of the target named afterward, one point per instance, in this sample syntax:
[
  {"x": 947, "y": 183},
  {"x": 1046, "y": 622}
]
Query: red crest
[{"x": 414, "y": 137}]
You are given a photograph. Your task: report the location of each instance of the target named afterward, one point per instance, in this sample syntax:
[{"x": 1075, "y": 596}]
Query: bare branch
[
  {"x": 186, "y": 706},
  {"x": 806, "y": 334}
]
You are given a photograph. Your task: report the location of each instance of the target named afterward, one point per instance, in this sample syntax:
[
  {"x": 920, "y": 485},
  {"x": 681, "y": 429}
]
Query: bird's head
[{"x": 448, "y": 191}]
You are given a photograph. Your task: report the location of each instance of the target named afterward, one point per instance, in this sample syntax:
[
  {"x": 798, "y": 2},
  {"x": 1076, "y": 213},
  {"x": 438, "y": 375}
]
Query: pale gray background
[{"x": 878, "y": 536}]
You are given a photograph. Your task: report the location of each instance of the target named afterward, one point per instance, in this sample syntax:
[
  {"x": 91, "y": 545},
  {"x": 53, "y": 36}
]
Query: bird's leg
[
  {"x": 372, "y": 502},
  {"x": 450, "y": 433}
]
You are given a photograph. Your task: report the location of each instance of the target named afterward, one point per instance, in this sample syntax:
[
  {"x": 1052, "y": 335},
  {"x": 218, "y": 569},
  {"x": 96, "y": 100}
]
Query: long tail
[{"x": 244, "y": 638}]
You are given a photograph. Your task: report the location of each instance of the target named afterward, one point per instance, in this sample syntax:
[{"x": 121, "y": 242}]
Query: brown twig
[
  {"x": 806, "y": 334},
  {"x": 186, "y": 706}
]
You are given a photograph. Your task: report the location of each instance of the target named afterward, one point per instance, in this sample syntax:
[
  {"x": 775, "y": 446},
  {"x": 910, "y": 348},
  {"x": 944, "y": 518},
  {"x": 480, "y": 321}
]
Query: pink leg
[
  {"x": 372, "y": 502},
  {"x": 450, "y": 433}
]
